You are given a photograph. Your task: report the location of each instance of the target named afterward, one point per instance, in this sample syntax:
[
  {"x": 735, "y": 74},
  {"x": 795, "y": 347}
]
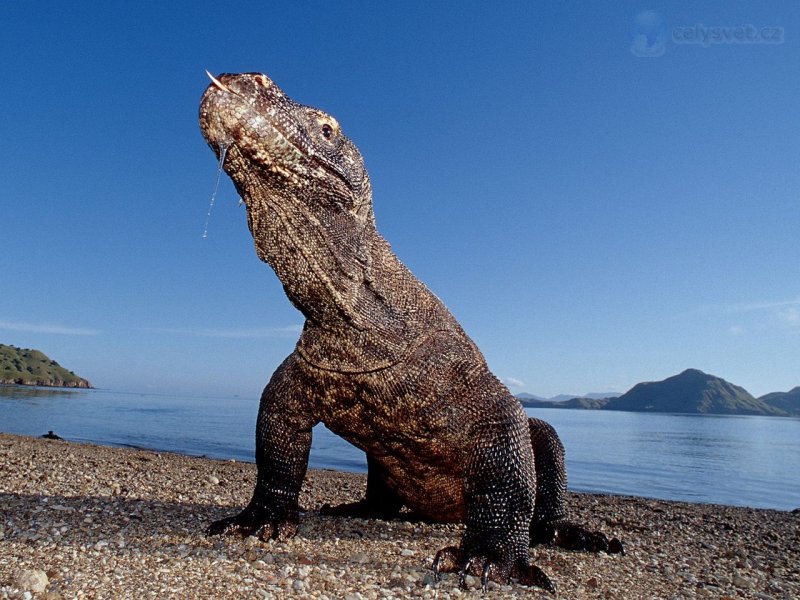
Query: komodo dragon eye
[{"x": 327, "y": 131}]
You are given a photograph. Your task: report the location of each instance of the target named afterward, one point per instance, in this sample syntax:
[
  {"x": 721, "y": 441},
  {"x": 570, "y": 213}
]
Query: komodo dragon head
[{"x": 307, "y": 192}]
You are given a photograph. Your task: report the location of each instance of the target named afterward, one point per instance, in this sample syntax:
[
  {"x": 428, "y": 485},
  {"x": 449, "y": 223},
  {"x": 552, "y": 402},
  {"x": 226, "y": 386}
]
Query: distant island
[
  {"x": 23, "y": 366},
  {"x": 691, "y": 391}
]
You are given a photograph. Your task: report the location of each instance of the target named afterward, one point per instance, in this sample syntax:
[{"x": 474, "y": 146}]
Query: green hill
[
  {"x": 22, "y": 366},
  {"x": 692, "y": 392},
  {"x": 786, "y": 401}
]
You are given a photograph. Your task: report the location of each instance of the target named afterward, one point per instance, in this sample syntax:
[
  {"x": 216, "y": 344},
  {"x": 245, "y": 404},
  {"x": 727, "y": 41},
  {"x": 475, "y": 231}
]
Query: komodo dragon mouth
[{"x": 282, "y": 142}]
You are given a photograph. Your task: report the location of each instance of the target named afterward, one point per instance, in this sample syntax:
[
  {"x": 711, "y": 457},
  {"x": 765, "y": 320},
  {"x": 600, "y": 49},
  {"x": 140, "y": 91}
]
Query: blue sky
[{"x": 597, "y": 198}]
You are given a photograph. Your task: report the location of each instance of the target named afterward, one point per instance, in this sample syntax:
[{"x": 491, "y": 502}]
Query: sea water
[{"x": 742, "y": 461}]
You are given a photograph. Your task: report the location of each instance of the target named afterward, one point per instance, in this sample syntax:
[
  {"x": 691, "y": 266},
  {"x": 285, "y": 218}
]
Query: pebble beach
[{"x": 85, "y": 521}]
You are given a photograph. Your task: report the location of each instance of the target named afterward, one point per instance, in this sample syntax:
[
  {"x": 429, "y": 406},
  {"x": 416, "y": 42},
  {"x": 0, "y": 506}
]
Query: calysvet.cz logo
[{"x": 649, "y": 34}]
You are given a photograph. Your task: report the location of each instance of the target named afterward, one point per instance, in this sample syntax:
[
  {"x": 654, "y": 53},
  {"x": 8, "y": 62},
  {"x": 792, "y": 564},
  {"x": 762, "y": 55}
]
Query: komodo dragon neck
[{"x": 309, "y": 208}]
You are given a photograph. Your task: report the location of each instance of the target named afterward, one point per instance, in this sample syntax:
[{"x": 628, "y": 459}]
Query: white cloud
[
  {"x": 46, "y": 328},
  {"x": 756, "y": 306},
  {"x": 513, "y": 382},
  {"x": 767, "y": 314},
  {"x": 256, "y": 332},
  {"x": 790, "y": 316}
]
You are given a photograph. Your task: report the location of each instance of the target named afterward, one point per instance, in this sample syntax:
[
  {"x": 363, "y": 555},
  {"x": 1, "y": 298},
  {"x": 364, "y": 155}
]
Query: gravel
[{"x": 83, "y": 521}]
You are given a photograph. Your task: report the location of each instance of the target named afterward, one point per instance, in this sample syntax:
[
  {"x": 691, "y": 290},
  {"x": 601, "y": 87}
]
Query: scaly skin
[{"x": 381, "y": 361}]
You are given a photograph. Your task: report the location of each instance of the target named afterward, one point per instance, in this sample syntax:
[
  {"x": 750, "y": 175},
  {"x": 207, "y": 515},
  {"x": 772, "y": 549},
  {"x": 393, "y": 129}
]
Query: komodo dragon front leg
[
  {"x": 500, "y": 495},
  {"x": 283, "y": 442}
]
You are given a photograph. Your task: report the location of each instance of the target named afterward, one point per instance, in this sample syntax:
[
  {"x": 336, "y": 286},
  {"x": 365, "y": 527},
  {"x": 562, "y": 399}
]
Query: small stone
[
  {"x": 407, "y": 552},
  {"x": 592, "y": 583},
  {"x": 359, "y": 558},
  {"x": 304, "y": 559},
  {"x": 303, "y": 572},
  {"x": 298, "y": 585},
  {"x": 286, "y": 572},
  {"x": 429, "y": 579},
  {"x": 32, "y": 580},
  {"x": 742, "y": 582},
  {"x": 213, "y": 480}
]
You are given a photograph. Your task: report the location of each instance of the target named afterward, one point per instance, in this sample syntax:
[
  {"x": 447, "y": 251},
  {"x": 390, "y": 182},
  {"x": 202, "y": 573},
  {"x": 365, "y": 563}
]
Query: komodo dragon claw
[{"x": 451, "y": 560}]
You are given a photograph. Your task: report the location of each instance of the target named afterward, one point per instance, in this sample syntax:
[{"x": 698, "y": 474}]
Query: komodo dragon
[{"x": 381, "y": 361}]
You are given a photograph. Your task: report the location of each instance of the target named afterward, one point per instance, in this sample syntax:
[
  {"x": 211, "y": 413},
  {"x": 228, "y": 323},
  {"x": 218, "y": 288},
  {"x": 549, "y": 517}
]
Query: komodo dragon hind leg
[
  {"x": 379, "y": 502},
  {"x": 549, "y": 524}
]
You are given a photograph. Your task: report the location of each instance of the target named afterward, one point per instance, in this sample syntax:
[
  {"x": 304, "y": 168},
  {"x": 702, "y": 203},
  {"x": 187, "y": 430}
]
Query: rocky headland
[{"x": 24, "y": 366}]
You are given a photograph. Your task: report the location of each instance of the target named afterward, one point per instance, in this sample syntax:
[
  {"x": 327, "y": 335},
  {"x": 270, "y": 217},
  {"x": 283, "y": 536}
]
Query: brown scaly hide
[{"x": 381, "y": 361}]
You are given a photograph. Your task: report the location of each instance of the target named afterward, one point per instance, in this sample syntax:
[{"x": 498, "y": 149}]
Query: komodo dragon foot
[
  {"x": 452, "y": 559},
  {"x": 258, "y": 522},
  {"x": 571, "y": 536}
]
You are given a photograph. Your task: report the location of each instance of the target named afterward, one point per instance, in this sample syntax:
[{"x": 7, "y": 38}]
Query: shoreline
[{"x": 105, "y": 521}]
